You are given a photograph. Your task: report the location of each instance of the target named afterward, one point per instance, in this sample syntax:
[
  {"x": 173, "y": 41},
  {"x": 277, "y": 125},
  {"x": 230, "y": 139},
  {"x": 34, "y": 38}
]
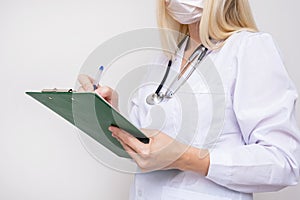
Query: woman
[{"x": 258, "y": 149}]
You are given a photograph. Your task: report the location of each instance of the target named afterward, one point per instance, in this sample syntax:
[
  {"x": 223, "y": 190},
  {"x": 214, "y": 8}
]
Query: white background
[{"x": 43, "y": 44}]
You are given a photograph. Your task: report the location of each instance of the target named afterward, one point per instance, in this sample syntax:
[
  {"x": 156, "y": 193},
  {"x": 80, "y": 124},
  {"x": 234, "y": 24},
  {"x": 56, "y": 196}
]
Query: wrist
[{"x": 194, "y": 159}]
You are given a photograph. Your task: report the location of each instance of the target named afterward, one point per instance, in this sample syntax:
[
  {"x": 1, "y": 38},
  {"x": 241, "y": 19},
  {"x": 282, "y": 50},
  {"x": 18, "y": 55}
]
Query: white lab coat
[{"x": 259, "y": 146}]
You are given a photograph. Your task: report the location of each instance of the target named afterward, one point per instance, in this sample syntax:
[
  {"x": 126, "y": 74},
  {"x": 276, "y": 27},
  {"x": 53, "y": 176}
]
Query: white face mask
[{"x": 185, "y": 11}]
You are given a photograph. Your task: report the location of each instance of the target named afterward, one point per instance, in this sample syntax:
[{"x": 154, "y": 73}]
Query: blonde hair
[{"x": 220, "y": 19}]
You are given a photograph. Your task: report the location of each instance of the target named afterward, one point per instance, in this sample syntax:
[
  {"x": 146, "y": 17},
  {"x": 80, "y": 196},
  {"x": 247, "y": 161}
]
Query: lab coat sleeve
[{"x": 264, "y": 101}]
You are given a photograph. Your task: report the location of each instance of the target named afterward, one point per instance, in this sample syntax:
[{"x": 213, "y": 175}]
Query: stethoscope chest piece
[{"x": 154, "y": 99}]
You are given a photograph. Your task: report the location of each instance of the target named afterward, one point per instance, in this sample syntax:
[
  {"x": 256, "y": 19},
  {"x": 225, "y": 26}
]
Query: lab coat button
[{"x": 140, "y": 193}]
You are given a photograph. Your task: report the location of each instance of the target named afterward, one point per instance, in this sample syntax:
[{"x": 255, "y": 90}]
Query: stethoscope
[{"x": 157, "y": 97}]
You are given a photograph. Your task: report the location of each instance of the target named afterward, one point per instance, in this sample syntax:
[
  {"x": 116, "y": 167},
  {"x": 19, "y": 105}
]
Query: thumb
[{"x": 105, "y": 92}]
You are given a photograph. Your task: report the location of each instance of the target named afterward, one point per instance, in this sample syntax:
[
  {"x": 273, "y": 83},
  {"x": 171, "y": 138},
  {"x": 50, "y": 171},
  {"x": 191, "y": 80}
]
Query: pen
[{"x": 98, "y": 77}]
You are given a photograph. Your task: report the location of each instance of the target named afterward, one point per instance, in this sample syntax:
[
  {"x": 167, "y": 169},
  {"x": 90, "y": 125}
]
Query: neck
[{"x": 194, "y": 33}]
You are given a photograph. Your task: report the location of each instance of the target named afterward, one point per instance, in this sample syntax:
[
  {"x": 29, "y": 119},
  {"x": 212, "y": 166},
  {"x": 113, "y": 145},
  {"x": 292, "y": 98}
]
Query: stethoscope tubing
[
  {"x": 157, "y": 97},
  {"x": 164, "y": 78}
]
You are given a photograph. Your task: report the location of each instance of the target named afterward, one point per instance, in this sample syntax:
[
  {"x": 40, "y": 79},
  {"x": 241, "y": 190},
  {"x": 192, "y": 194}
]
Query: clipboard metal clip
[{"x": 58, "y": 90}]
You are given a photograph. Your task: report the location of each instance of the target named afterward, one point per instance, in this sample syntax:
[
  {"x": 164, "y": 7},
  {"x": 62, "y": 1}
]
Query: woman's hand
[
  {"x": 106, "y": 92},
  {"x": 162, "y": 152}
]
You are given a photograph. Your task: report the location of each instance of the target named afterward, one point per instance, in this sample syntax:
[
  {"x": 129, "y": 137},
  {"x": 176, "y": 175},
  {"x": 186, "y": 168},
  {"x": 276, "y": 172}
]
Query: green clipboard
[{"x": 91, "y": 114}]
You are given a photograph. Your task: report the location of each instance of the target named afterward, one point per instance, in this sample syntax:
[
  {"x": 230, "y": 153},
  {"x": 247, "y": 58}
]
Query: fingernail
[{"x": 110, "y": 128}]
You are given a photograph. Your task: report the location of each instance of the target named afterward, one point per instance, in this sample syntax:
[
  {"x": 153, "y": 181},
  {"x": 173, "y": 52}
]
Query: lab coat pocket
[{"x": 170, "y": 193}]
